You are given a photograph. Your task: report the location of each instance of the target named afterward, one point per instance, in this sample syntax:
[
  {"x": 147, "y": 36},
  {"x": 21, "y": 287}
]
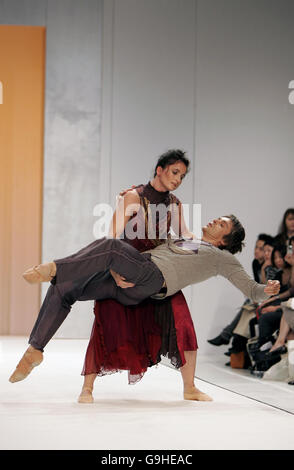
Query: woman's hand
[
  {"x": 270, "y": 308},
  {"x": 268, "y": 301},
  {"x": 120, "y": 280},
  {"x": 289, "y": 258},
  {"x": 272, "y": 288}
]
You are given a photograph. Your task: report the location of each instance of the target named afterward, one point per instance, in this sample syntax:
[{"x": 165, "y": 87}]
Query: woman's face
[
  {"x": 267, "y": 249},
  {"x": 259, "y": 251},
  {"x": 279, "y": 260},
  {"x": 172, "y": 176},
  {"x": 290, "y": 223}
]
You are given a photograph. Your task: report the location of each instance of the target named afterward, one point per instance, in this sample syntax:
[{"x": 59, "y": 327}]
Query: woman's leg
[
  {"x": 283, "y": 333},
  {"x": 188, "y": 375},
  {"x": 86, "y": 393}
]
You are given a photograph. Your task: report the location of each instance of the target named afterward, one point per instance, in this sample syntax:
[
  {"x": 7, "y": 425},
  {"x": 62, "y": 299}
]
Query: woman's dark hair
[
  {"x": 283, "y": 251},
  {"x": 170, "y": 157},
  {"x": 234, "y": 240},
  {"x": 283, "y": 233}
]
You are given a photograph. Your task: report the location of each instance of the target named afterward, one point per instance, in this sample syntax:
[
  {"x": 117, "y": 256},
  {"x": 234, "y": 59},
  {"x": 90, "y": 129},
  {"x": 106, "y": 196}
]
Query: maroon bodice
[{"x": 151, "y": 225}]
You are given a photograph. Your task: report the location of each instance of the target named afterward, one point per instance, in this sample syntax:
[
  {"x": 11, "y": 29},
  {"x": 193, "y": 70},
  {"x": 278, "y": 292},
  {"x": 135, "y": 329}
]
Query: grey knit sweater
[{"x": 183, "y": 267}]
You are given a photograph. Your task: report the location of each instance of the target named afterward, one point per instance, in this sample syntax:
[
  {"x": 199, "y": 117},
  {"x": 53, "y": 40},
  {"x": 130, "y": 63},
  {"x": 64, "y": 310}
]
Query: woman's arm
[
  {"x": 178, "y": 223},
  {"x": 126, "y": 206}
]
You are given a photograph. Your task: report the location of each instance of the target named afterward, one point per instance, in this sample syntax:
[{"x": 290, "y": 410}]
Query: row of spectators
[{"x": 259, "y": 332}]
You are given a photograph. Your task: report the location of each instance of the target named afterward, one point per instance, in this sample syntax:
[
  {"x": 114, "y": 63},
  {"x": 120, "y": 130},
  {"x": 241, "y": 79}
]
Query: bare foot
[
  {"x": 195, "y": 394},
  {"x": 86, "y": 396},
  {"x": 41, "y": 273}
]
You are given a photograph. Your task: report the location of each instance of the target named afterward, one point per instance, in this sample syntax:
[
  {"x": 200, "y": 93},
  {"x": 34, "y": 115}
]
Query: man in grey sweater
[{"x": 95, "y": 272}]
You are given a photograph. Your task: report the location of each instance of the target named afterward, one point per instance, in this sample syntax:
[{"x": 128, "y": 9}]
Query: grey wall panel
[
  {"x": 72, "y": 136},
  {"x": 153, "y": 87},
  {"x": 152, "y": 96},
  {"x": 23, "y": 12}
]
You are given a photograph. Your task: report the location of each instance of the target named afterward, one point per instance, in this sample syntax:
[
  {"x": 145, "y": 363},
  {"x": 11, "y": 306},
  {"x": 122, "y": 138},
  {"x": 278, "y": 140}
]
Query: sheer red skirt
[{"x": 135, "y": 338}]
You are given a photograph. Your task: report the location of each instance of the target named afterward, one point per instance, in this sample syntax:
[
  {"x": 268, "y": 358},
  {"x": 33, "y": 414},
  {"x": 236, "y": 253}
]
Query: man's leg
[
  {"x": 59, "y": 300},
  {"x": 102, "y": 255},
  {"x": 62, "y": 295}
]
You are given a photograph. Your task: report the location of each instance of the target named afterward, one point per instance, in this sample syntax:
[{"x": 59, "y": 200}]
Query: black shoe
[
  {"x": 277, "y": 352},
  {"x": 218, "y": 341},
  {"x": 227, "y": 353},
  {"x": 228, "y": 364}
]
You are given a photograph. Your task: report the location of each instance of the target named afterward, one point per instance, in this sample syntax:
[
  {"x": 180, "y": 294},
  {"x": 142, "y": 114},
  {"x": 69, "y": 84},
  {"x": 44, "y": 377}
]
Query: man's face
[
  {"x": 172, "y": 176},
  {"x": 259, "y": 251},
  {"x": 217, "y": 229}
]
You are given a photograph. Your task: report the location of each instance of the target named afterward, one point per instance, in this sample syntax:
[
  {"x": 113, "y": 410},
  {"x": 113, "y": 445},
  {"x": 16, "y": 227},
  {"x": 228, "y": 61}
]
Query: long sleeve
[{"x": 231, "y": 268}]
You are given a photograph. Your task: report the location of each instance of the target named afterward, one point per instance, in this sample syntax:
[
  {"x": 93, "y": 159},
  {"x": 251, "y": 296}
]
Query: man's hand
[
  {"x": 124, "y": 191},
  {"x": 272, "y": 288},
  {"x": 120, "y": 280}
]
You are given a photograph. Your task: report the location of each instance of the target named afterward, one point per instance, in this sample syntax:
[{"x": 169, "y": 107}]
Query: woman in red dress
[{"x": 134, "y": 338}]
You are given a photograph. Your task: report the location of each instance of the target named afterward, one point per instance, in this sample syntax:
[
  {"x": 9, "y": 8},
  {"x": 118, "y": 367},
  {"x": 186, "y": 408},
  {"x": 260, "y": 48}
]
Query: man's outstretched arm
[{"x": 236, "y": 274}]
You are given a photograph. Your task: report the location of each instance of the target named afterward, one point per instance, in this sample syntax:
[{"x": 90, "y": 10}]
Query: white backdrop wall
[{"x": 128, "y": 79}]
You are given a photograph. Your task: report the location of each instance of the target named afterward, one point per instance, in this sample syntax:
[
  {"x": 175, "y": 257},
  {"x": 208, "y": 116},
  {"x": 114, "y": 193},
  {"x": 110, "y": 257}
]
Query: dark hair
[
  {"x": 283, "y": 233},
  {"x": 265, "y": 237},
  {"x": 270, "y": 242},
  {"x": 234, "y": 240},
  {"x": 170, "y": 157},
  {"x": 283, "y": 251}
]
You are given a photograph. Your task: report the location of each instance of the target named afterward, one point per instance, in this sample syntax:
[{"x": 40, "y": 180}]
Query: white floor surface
[{"x": 42, "y": 412}]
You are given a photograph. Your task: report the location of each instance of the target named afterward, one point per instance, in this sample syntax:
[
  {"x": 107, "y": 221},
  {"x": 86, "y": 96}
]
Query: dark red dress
[{"x": 134, "y": 338}]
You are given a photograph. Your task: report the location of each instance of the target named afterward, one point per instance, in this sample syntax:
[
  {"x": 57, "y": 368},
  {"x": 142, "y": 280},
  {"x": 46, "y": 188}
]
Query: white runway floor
[{"x": 42, "y": 412}]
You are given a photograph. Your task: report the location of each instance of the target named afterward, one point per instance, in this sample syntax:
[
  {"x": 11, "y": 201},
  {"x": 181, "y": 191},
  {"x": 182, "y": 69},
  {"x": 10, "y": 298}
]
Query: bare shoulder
[{"x": 131, "y": 197}]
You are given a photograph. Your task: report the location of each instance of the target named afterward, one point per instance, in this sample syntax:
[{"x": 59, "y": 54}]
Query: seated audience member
[
  {"x": 286, "y": 327},
  {"x": 270, "y": 312},
  {"x": 226, "y": 334},
  {"x": 267, "y": 252},
  {"x": 286, "y": 229}
]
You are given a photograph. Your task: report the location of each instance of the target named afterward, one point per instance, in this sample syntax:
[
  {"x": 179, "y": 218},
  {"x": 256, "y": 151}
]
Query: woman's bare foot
[
  {"x": 86, "y": 395},
  {"x": 194, "y": 394}
]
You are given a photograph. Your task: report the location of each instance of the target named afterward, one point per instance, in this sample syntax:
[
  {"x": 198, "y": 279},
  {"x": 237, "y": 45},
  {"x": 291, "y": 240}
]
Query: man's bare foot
[
  {"x": 41, "y": 273},
  {"x": 86, "y": 396},
  {"x": 31, "y": 358},
  {"x": 194, "y": 394}
]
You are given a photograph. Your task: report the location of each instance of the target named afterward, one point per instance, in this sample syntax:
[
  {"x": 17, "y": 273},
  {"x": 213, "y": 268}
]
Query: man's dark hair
[
  {"x": 265, "y": 237},
  {"x": 234, "y": 240},
  {"x": 170, "y": 157}
]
